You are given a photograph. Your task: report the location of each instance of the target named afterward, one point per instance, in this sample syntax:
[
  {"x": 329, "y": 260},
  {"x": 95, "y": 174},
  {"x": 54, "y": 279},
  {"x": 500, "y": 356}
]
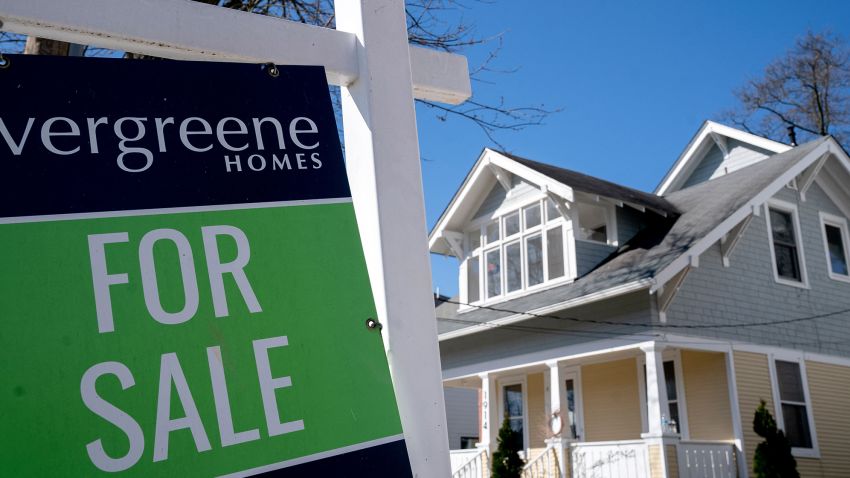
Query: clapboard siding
[
  {"x": 829, "y": 388},
  {"x": 707, "y": 396},
  {"x": 538, "y": 428},
  {"x": 752, "y": 376},
  {"x": 611, "y": 401}
]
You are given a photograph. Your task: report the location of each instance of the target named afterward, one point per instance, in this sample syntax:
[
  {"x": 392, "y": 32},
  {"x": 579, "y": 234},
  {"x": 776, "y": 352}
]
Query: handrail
[
  {"x": 474, "y": 468},
  {"x": 543, "y": 465}
]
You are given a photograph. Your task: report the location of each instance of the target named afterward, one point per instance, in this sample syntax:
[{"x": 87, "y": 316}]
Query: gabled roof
[
  {"x": 708, "y": 211},
  {"x": 600, "y": 187},
  {"x": 710, "y": 133},
  {"x": 560, "y": 181}
]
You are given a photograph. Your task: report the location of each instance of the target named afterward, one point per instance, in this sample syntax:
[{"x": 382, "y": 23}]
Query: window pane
[
  {"x": 674, "y": 415},
  {"x": 790, "y": 382},
  {"x": 534, "y": 257},
  {"x": 474, "y": 240},
  {"x": 473, "y": 273},
  {"x": 532, "y": 216},
  {"x": 516, "y": 426},
  {"x": 494, "y": 273},
  {"x": 513, "y": 410},
  {"x": 551, "y": 211},
  {"x": 835, "y": 245},
  {"x": 782, "y": 227},
  {"x": 787, "y": 264},
  {"x": 513, "y": 257},
  {"x": 796, "y": 425},
  {"x": 492, "y": 232},
  {"x": 670, "y": 378},
  {"x": 511, "y": 224},
  {"x": 555, "y": 245},
  {"x": 513, "y": 401},
  {"x": 571, "y": 408}
]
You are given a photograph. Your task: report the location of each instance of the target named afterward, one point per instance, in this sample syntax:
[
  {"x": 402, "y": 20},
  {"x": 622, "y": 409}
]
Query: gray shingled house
[{"x": 625, "y": 333}]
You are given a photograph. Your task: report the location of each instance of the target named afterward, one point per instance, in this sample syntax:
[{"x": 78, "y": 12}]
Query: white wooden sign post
[{"x": 379, "y": 74}]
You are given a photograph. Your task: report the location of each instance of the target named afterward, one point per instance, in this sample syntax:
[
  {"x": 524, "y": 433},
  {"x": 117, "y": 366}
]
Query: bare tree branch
[
  {"x": 808, "y": 88},
  {"x": 437, "y": 24}
]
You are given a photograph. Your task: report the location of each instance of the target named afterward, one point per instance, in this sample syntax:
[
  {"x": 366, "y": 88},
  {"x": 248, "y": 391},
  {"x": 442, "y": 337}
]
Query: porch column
[
  {"x": 556, "y": 403},
  {"x": 489, "y": 421},
  {"x": 659, "y": 440}
]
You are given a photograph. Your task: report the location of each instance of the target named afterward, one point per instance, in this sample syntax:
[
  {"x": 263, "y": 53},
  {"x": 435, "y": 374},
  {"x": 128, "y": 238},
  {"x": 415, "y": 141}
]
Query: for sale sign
[{"x": 182, "y": 285}]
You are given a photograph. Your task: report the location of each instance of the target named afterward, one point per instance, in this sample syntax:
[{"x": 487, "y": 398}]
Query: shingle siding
[
  {"x": 520, "y": 190},
  {"x": 714, "y": 165},
  {"x": 747, "y": 292},
  {"x": 629, "y": 223},
  {"x": 590, "y": 254}
]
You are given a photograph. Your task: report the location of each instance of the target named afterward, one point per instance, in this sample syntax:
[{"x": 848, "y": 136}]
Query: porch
[{"x": 647, "y": 410}]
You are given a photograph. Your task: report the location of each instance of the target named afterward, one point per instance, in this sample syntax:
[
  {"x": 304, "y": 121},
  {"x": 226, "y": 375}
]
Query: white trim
[
  {"x": 471, "y": 184},
  {"x": 170, "y": 210},
  {"x": 827, "y": 219},
  {"x": 681, "y": 401},
  {"x": 708, "y": 132},
  {"x": 794, "y": 357},
  {"x": 572, "y": 372},
  {"x": 735, "y": 408},
  {"x": 180, "y": 30},
  {"x": 751, "y": 207},
  {"x": 790, "y": 208},
  {"x": 479, "y": 226},
  {"x": 522, "y": 381},
  {"x": 314, "y": 457},
  {"x": 585, "y": 299},
  {"x": 668, "y": 355}
]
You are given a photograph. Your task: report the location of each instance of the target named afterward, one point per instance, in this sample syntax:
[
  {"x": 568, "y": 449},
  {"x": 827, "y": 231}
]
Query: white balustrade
[
  {"x": 469, "y": 463},
  {"x": 544, "y": 465},
  {"x": 623, "y": 459},
  {"x": 707, "y": 460}
]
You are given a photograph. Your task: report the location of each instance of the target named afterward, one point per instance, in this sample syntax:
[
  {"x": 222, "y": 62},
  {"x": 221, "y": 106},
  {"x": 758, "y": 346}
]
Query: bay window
[{"x": 515, "y": 252}]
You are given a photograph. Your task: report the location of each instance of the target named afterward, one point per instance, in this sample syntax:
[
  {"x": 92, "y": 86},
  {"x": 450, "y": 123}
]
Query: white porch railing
[
  {"x": 707, "y": 460},
  {"x": 469, "y": 463},
  {"x": 545, "y": 465},
  {"x": 623, "y": 459}
]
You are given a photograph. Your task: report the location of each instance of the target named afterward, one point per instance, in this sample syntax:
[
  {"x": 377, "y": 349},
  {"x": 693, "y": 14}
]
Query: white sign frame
[{"x": 380, "y": 74}]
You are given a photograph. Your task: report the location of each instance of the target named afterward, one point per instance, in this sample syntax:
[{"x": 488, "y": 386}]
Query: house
[{"x": 625, "y": 333}]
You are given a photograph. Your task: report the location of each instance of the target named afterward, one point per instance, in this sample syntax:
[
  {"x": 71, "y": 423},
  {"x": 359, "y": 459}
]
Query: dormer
[
  {"x": 715, "y": 151},
  {"x": 518, "y": 226}
]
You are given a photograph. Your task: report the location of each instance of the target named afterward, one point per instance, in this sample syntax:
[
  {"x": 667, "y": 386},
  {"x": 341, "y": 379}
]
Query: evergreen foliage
[
  {"x": 773, "y": 458},
  {"x": 506, "y": 460}
]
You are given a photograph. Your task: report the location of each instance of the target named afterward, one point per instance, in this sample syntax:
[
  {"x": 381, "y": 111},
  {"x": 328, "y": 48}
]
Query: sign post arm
[{"x": 382, "y": 159}]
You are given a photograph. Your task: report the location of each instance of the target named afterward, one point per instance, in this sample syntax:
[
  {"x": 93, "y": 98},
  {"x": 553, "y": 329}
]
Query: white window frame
[
  {"x": 827, "y": 219},
  {"x": 674, "y": 356},
  {"x": 610, "y": 224},
  {"x": 798, "y": 237},
  {"x": 814, "y": 451},
  {"x": 572, "y": 373},
  {"x": 499, "y": 215},
  {"x": 500, "y": 389}
]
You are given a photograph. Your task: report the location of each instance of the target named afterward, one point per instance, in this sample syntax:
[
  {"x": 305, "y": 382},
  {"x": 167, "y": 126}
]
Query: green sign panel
[{"x": 183, "y": 289}]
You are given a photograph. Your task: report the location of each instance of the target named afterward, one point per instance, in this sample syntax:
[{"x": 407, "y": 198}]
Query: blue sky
[{"x": 634, "y": 81}]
